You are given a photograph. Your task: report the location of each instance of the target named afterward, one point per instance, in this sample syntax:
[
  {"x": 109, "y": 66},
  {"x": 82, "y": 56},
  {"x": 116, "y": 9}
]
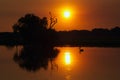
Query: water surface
[{"x": 95, "y": 63}]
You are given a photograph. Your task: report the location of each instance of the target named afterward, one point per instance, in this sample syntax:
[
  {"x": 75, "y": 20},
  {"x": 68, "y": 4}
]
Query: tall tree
[{"x": 32, "y": 28}]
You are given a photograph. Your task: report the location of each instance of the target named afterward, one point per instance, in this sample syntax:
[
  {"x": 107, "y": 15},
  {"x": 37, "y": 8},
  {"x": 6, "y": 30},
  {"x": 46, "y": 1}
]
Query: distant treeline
[{"x": 95, "y": 37}]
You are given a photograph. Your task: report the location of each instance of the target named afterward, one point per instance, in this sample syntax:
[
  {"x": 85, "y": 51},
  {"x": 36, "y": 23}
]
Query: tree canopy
[
  {"x": 30, "y": 23},
  {"x": 31, "y": 26}
]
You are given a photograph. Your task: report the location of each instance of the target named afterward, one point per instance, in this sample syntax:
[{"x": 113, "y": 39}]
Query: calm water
[{"x": 70, "y": 64}]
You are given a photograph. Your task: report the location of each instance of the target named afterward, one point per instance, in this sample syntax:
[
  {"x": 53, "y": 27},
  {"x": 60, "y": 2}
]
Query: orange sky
[{"x": 88, "y": 14}]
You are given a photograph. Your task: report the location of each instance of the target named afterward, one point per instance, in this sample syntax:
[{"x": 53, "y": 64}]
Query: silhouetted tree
[
  {"x": 53, "y": 21},
  {"x": 115, "y": 30},
  {"x": 30, "y": 25},
  {"x": 100, "y": 31},
  {"x": 33, "y": 29}
]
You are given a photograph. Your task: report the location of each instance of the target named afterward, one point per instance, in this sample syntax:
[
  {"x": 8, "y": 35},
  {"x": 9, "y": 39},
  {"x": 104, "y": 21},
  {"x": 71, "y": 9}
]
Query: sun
[{"x": 66, "y": 14}]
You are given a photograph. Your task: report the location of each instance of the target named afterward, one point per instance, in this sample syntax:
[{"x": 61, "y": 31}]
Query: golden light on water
[{"x": 67, "y": 58}]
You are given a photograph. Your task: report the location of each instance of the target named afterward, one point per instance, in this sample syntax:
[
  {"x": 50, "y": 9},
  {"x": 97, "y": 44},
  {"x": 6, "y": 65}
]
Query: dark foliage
[
  {"x": 96, "y": 37},
  {"x": 35, "y": 30}
]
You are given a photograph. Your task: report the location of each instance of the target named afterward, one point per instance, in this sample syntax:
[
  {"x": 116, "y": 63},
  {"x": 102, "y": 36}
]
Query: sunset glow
[{"x": 59, "y": 40}]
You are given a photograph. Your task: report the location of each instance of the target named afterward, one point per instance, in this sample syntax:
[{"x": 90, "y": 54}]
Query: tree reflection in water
[{"x": 33, "y": 57}]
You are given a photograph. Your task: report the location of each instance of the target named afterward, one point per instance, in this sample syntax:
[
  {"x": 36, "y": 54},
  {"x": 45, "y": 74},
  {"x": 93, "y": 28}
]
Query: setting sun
[{"x": 66, "y": 14}]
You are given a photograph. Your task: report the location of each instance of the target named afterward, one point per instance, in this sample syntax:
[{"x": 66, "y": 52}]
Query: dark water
[{"x": 94, "y": 63}]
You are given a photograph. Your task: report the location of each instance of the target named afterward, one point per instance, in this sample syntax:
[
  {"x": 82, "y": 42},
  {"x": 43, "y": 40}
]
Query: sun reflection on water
[
  {"x": 67, "y": 63},
  {"x": 67, "y": 58}
]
